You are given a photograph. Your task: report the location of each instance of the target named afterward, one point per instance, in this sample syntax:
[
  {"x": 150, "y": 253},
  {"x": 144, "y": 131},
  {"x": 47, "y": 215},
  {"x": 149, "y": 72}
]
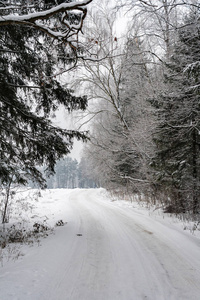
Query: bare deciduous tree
[{"x": 119, "y": 85}]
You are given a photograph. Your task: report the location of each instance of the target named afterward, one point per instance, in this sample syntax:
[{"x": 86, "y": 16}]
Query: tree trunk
[{"x": 194, "y": 192}]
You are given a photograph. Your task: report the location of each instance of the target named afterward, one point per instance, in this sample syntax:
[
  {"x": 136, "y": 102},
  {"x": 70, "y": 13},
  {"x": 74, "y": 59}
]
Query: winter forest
[
  {"x": 128, "y": 70},
  {"x": 99, "y": 149}
]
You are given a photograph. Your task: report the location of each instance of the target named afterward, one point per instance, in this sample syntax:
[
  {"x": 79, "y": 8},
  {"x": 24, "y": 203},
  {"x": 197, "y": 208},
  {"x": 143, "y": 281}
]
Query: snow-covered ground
[{"x": 106, "y": 250}]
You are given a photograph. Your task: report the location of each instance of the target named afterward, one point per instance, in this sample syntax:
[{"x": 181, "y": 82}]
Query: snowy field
[{"x": 105, "y": 250}]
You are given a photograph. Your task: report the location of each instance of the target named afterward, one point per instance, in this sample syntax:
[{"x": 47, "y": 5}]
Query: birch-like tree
[
  {"x": 157, "y": 22},
  {"x": 120, "y": 138}
]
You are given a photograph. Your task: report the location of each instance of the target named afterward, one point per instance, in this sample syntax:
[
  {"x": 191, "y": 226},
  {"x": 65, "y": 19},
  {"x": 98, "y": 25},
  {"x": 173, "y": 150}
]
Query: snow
[
  {"x": 36, "y": 19},
  {"x": 106, "y": 250},
  {"x": 45, "y": 13}
]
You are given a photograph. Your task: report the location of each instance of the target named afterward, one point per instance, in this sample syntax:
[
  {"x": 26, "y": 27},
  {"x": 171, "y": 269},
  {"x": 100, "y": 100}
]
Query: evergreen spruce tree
[
  {"x": 29, "y": 94},
  {"x": 177, "y": 138}
]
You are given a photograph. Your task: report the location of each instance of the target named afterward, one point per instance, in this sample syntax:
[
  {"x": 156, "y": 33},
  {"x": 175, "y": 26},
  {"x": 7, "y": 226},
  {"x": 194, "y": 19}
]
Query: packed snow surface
[{"x": 107, "y": 250}]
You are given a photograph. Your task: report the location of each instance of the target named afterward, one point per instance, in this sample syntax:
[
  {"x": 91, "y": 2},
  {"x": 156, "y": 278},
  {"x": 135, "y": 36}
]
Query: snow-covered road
[{"x": 105, "y": 252}]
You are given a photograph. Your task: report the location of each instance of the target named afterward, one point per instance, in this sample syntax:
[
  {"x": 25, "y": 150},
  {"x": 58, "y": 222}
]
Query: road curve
[{"x": 106, "y": 252}]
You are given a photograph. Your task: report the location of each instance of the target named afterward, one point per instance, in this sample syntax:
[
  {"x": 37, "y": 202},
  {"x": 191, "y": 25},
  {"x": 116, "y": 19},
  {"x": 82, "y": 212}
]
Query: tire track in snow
[
  {"x": 171, "y": 276},
  {"x": 121, "y": 255}
]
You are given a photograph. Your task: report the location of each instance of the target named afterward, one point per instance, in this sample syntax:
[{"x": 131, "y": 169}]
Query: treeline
[
  {"x": 145, "y": 135},
  {"x": 70, "y": 174}
]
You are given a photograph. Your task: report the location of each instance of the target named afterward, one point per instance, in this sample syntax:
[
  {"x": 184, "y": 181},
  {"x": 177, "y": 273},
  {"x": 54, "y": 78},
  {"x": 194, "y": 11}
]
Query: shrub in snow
[
  {"x": 60, "y": 223},
  {"x": 17, "y": 233},
  {"x": 40, "y": 227}
]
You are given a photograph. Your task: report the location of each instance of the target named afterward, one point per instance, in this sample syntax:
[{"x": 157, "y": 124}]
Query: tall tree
[
  {"x": 119, "y": 83},
  {"x": 177, "y": 159},
  {"x": 34, "y": 50},
  {"x": 156, "y": 22}
]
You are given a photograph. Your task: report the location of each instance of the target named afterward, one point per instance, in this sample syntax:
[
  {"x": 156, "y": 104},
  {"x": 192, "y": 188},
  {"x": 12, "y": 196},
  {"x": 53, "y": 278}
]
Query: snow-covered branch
[{"x": 41, "y": 19}]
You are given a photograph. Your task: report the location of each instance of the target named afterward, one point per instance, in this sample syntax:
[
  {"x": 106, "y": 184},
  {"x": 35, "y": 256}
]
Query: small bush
[
  {"x": 60, "y": 223},
  {"x": 19, "y": 234}
]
